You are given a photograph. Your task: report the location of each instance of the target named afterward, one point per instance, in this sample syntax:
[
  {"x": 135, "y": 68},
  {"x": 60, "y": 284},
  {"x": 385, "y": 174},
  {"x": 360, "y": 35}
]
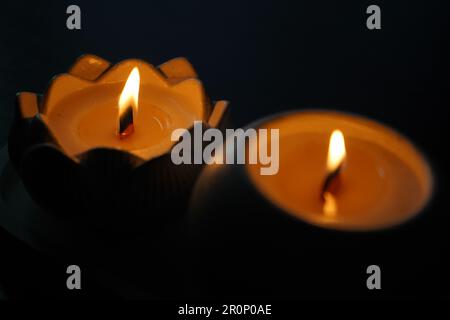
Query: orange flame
[
  {"x": 329, "y": 205},
  {"x": 130, "y": 93},
  {"x": 336, "y": 156},
  {"x": 336, "y": 151}
]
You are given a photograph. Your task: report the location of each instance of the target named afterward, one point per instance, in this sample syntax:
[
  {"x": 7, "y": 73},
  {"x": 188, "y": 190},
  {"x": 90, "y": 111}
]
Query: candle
[
  {"x": 383, "y": 180},
  {"x": 90, "y": 173},
  {"x": 313, "y": 228},
  {"x": 100, "y": 139},
  {"x": 336, "y": 171},
  {"x": 84, "y": 115}
]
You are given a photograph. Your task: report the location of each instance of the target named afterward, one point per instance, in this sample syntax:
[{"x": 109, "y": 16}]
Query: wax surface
[
  {"x": 385, "y": 180},
  {"x": 88, "y": 119}
]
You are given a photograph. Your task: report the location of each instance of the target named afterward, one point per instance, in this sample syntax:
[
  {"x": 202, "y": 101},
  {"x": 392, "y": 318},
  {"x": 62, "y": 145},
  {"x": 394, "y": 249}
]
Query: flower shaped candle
[{"x": 99, "y": 140}]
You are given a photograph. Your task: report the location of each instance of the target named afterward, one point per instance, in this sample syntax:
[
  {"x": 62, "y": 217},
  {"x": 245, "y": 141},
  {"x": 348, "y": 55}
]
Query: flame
[
  {"x": 336, "y": 151},
  {"x": 130, "y": 93},
  {"x": 329, "y": 205}
]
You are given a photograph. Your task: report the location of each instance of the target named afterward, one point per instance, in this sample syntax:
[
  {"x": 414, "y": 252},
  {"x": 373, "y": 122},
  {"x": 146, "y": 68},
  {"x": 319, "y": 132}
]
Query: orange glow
[
  {"x": 336, "y": 151},
  {"x": 130, "y": 93}
]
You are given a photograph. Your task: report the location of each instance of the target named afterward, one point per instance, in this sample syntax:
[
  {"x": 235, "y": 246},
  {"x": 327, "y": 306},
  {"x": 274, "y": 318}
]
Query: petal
[
  {"x": 27, "y": 105},
  {"x": 25, "y": 134},
  {"x": 178, "y": 69},
  {"x": 148, "y": 73},
  {"x": 50, "y": 177},
  {"x": 89, "y": 67}
]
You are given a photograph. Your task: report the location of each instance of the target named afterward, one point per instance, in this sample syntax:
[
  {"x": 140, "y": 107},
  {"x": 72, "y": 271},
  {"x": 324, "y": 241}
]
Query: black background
[{"x": 263, "y": 56}]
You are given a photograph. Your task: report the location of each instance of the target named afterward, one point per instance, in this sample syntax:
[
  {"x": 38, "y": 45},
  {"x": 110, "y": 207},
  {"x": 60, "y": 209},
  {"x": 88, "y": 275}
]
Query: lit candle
[
  {"x": 84, "y": 115},
  {"x": 336, "y": 171},
  {"x": 344, "y": 197},
  {"x": 92, "y": 174},
  {"x": 100, "y": 138},
  {"x": 344, "y": 172}
]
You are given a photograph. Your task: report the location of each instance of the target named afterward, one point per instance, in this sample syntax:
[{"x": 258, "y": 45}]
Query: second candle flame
[
  {"x": 335, "y": 159},
  {"x": 336, "y": 151}
]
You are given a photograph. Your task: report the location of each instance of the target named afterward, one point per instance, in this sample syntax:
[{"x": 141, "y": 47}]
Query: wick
[
  {"x": 331, "y": 183},
  {"x": 126, "y": 126}
]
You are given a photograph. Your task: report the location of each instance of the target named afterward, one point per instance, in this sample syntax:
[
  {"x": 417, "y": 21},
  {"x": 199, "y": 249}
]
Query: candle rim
[{"x": 417, "y": 151}]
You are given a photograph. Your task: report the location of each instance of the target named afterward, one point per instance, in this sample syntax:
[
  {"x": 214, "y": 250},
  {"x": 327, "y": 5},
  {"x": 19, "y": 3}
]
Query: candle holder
[
  {"x": 249, "y": 246},
  {"x": 105, "y": 206},
  {"x": 102, "y": 190}
]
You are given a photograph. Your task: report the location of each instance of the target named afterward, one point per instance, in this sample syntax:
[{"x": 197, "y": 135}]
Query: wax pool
[{"x": 385, "y": 180}]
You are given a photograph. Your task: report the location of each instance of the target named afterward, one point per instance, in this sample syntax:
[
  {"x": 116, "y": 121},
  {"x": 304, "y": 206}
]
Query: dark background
[{"x": 263, "y": 56}]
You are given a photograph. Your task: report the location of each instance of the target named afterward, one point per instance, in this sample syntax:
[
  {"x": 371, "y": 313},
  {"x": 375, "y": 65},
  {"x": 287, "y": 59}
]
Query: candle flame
[
  {"x": 130, "y": 93},
  {"x": 336, "y": 151},
  {"x": 329, "y": 205}
]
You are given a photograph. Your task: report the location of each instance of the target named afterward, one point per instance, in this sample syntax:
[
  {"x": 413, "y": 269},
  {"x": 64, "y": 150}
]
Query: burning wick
[
  {"x": 126, "y": 126},
  {"x": 335, "y": 163},
  {"x": 128, "y": 104}
]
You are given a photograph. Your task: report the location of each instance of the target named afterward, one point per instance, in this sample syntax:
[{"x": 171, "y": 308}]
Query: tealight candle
[
  {"x": 336, "y": 171},
  {"x": 383, "y": 181},
  {"x": 345, "y": 189},
  {"x": 86, "y": 116},
  {"x": 99, "y": 140},
  {"x": 90, "y": 174}
]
